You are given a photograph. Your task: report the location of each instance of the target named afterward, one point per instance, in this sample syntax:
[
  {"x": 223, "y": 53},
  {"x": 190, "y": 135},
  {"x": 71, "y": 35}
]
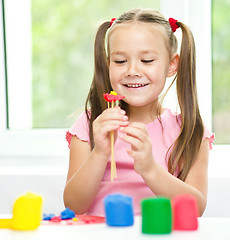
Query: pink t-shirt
[{"x": 128, "y": 181}]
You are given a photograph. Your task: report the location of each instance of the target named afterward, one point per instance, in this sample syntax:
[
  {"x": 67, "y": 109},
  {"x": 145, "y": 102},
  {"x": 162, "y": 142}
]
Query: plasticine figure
[{"x": 27, "y": 213}]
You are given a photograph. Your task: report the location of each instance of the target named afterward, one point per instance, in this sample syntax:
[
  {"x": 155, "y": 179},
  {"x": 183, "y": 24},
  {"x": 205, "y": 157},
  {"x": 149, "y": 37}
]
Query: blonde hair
[{"x": 186, "y": 146}]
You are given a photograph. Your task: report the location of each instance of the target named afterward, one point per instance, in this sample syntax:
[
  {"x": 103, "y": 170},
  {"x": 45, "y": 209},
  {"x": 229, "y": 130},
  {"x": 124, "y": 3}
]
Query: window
[
  {"x": 49, "y": 51},
  {"x": 57, "y": 49},
  {"x": 221, "y": 71}
]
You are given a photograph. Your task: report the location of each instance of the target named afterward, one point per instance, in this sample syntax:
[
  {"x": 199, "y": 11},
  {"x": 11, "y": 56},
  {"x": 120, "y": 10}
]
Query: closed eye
[
  {"x": 120, "y": 62},
  {"x": 147, "y": 61}
]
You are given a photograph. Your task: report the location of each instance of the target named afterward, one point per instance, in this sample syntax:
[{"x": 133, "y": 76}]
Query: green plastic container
[{"x": 156, "y": 215}]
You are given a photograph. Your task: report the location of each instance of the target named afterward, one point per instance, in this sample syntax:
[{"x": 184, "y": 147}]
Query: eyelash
[
  {"x": 144, "y": 61},
  {"x": 120, "y": 62},
  {"x": 147, "y": 61}
]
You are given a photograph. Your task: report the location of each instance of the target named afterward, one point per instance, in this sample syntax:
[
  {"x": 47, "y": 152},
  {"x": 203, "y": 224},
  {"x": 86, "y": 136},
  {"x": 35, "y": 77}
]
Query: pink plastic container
[{"x": 185, "y": 213}]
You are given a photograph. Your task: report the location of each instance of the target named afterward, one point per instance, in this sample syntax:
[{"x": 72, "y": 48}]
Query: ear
[{"x": 173, "y": 65}]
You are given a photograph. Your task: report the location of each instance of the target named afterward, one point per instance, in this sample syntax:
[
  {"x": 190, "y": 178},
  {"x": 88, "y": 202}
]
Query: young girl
[{"x": 157, "y": 152}]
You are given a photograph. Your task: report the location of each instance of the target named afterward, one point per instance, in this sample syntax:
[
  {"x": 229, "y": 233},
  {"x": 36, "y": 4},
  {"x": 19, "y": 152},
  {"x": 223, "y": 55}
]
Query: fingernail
[
  {"x": 121, "y": 136},
  {"x": 122, "y": 129}
]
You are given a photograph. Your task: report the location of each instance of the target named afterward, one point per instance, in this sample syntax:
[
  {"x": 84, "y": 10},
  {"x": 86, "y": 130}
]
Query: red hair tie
[
  {"x": 112, "y": 21},
  {"x": 173, "y": 24}
]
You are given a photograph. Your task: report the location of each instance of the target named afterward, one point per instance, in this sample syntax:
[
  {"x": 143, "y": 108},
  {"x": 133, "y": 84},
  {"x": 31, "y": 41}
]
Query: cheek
[
  {"x": 114, "y": 74},
  {"x": 161, "y": 71}
]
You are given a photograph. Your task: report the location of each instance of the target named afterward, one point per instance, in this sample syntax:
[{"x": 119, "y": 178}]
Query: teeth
[{"x": 135, "y": 85}]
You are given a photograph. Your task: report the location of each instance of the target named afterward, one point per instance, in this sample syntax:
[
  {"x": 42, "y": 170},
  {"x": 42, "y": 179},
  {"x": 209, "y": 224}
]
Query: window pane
[
  {"x": 221, "y": 71},
  {"x": 62, "y": 52}
]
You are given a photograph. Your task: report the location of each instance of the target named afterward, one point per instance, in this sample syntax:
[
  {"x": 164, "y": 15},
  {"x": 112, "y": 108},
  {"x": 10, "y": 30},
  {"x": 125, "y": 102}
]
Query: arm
[
  {"x": 163, "y": 183},
  {"x": 158, "y": 179},
  {"x": 86, "y": 170},
  {"x": 86, "y": 167}
]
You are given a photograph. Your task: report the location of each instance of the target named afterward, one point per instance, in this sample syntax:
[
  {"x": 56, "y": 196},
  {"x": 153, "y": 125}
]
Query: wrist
[
  {"x": 100, "y": 154},
  {"x": 150, "y": 173}
]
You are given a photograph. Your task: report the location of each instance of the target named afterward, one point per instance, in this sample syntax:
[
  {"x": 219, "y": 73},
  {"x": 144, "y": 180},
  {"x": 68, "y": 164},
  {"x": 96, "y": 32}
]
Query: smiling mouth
[{"x": 135, "y": 85}]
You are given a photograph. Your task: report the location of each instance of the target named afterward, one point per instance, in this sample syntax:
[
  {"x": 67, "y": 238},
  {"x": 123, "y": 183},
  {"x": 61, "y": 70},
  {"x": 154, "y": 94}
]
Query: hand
[
  {"x": 141, "y": 146},
  {"x": 110, "y": 120}
]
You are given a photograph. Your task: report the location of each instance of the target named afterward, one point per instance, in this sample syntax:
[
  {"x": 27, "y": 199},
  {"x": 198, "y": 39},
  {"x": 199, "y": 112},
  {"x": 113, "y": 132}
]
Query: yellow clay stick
[{"x": 113, "y": 163}]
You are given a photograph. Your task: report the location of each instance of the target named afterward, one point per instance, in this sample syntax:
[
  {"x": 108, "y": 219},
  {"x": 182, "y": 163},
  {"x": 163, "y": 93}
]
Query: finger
[
  {"x": 114, "y": 110},
  {"x": 138, "y": 133},
  {"x": 114, "y": 122},
  {"x": 108, "y": 128},
  {"x": 131, "y": 153},
  {"x": 135, "y": 143},
  {"x": 134, "y": 154},
  {"x": 139, "y": 125},
  {"x": 105, "y": 127},
  {"x": 113, "y": 114}
]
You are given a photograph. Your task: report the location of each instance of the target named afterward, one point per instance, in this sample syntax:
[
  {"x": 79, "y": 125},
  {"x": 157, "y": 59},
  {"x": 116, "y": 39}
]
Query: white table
[{"x": 209, "y": 228}]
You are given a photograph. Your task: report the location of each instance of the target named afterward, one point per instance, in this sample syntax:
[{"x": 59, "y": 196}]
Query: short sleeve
[
  {"x": 80, "y": 129},
  {"x": 210, "y": 136}
]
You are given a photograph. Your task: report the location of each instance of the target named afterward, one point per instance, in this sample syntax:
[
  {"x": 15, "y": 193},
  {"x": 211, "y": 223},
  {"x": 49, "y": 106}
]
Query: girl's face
[{"x": 138, "y": 62}]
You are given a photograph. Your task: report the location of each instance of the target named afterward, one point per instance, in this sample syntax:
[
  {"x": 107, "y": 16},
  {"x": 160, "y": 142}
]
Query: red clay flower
[{"x": 112, "y": 97}]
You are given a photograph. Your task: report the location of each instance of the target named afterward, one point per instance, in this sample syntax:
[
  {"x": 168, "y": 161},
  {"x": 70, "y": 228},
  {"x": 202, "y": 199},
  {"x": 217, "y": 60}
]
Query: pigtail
[
  {"x": 100, "y": 83},
  {"x": 187, "y": 145}
]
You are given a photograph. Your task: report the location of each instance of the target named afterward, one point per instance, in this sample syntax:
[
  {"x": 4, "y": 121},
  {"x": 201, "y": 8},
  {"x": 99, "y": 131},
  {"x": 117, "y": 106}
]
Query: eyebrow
[
  {"x": 141, "y": 52},
  {"x": 117, "y": 53},
  {"x": 149, "y": 51}
]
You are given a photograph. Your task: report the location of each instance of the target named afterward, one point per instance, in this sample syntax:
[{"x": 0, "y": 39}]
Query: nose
[{"x": 133, "y": 70}]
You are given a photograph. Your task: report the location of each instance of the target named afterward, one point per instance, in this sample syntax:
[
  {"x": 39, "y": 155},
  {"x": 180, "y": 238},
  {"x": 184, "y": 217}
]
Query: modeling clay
[
  {"x": 67, "y": 214},
  {"x": 156, "y": 215},
  {"x": 47, "y": 217},
  {"x": 5, "y": 223},
  {"x": 185, "y": 212},
  {"x": 78, "y": 220},
  {"x": 56, "y": 219},
  {"x": 88, "y": 219},
  {"x": 27, "y": 212},
  {"x": 68, "y": 217},
  {"x": 112, "y": 97},
  {"x": 119, "y": 210}
]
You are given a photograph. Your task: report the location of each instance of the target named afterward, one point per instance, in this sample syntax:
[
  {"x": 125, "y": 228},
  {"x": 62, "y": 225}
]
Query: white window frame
[
  {"x": 18, "y": 143},
  {"x": 19, "y": 63},
  {"x": 3, "y": 110},
  {"x": 21, "y": 140}
]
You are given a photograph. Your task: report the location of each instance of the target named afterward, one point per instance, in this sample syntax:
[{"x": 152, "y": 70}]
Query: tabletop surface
[{"x": 209, "y": 228}]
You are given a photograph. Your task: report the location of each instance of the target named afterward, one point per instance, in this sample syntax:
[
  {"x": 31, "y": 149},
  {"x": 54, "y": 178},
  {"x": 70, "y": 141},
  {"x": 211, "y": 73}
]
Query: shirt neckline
[{"x": 163, "y": 114}]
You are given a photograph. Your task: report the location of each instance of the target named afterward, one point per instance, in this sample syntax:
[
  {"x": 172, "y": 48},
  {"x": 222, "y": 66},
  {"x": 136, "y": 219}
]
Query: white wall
[
  {"x": 218, "y": 183},
  {"x": 49, "y": 181}
]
